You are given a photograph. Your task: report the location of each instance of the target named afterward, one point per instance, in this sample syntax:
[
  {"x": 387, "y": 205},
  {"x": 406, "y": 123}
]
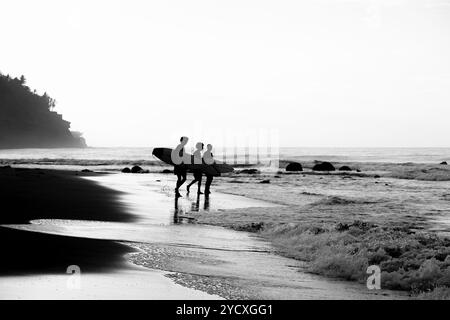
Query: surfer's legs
[
  {"x": 181, "y": 178},
  {"x": 199, "y": 184},
  {"x": 197, "y": 178},
  {"x": 190, "y": 184},
  {"x": 209, "y": 180}
]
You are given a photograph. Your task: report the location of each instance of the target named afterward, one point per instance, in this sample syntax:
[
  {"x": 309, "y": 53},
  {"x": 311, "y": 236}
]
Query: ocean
[{"x": 117, "y": 158}]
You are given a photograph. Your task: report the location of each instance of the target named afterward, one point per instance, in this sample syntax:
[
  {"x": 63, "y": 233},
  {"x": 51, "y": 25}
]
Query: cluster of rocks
[
  {"x": 248, "y": 171},
  {"x": 320, "y": 166},
  {"x": 135, "y": 169}
]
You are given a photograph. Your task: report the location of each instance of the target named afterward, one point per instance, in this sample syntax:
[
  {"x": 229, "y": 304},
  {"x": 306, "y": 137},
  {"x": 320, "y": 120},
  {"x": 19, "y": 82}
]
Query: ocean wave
[
  {"x": 81, "y": 162},
  {"x": 335, "y": 200},
  {"x": 96, "y": 162}
]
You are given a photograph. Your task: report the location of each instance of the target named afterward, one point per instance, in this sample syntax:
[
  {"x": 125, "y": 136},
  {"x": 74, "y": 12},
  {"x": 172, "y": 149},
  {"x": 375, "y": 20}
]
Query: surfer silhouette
[
  {"x": 197, "y": 172},
  {"x": 180, "y": 169},
  {"x": 208, "y": 157}
]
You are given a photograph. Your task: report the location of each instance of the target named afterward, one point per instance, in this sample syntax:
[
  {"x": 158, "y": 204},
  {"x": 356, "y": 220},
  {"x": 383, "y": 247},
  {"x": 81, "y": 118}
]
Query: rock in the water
[
  {"x": 294, "y": 166},
  {"x": 324, "y": 166},
  {"x": 345, "y": 168},
  {"x": 126, "y": 170},
  {"x": 167, "y": 171},
  {"x": 265, "y": 181},
  {"x": 86, "y": 170},
  {"x": 444, "y": 163},
  {"x": 249, "y": 171},
  {"x": 136, "y": 169},
  {"x": 376, "y": 176}
]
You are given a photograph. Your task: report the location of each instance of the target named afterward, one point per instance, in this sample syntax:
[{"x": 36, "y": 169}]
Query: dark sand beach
[
  {"x": 34, "y": 264},
  {"x": 28, "y": 194}
]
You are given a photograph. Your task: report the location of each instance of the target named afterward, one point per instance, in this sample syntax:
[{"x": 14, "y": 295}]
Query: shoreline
[
  {"x": 250, "y": 220},
  {"x": 36, "y": 264}
]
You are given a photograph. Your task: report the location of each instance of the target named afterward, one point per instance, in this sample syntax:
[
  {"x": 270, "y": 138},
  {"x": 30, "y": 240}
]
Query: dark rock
[
  {"x": 294, "y": 166},
  {"x": 342, "y": 227},
  {"x": 265, "y": 181},
  {"x": 444, "y": 163},
  {"x": 251, "y": 227},
  {"x": 324, "y": 166},
  {"x": 167, "y": 171},
  {"x": 86, "y": 170},
  {"x": 136, "y": 169},
  {"x": 376, "y": 176},
  {"x": 358, "y": 170},
  {"x": 316, "y": 230},
  {"x": 6, "y": 167},
  {"x": 345, "y": 168},
  {"x": 250, "y": 171},
  {"x": 126, "y": 170}
]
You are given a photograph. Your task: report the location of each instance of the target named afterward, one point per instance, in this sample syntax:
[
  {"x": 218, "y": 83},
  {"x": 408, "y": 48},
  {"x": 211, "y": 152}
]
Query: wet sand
[{"x": 34, "y": 264}]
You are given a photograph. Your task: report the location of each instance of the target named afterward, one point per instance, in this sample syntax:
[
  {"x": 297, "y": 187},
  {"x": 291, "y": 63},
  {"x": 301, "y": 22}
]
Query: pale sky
[{"x": 349, "y": 73}]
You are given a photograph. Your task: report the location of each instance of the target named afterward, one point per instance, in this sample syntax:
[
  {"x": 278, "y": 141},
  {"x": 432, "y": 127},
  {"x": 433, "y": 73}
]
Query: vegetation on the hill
[{"x": 27, "y": 119}]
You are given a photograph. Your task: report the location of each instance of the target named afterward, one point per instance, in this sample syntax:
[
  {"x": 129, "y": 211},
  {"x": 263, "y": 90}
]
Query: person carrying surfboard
[
  {"x": 208, "y": 158},
  {"x": 179, "y": 169},
  {"x": 197, "y": 172}
]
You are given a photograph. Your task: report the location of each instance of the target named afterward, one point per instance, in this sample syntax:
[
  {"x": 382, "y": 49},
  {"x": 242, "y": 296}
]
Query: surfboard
[{"x": 216, "y": 169}]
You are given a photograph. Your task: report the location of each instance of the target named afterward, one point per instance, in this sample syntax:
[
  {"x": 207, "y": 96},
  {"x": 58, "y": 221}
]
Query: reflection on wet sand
[{"x": 181, "y": 215}]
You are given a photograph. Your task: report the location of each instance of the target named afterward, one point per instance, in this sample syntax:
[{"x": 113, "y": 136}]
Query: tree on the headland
[
  {"x": 15, "y": 92},
  {"x": 49, "y": 101}
]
